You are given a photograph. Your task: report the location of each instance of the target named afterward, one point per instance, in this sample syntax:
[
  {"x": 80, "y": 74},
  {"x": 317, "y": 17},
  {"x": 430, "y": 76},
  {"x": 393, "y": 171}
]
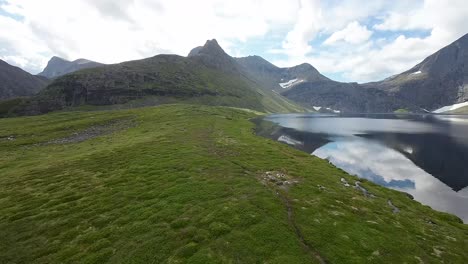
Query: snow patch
[
  {"x": 290, "y": 83},
  {"x": 450, "y": 107},
  {"x": 317, "y": 108},
  {"x": 415, "y": 73},
  {"x": 289, "y": 141}
]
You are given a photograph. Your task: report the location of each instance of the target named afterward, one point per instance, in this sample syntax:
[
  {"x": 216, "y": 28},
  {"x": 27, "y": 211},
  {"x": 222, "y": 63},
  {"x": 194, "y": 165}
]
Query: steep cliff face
[{"x": 441, "y": 79}]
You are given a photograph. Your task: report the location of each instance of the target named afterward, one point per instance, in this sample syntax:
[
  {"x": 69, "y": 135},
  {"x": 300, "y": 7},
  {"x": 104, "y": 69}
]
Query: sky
[{"x": 347, "y": 40}]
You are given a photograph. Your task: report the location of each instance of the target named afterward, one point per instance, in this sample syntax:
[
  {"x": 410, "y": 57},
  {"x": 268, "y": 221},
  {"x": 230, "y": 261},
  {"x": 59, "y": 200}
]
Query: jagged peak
[
  {"x": 211, "y": 47},
  {"x": 213, "y": 56}
]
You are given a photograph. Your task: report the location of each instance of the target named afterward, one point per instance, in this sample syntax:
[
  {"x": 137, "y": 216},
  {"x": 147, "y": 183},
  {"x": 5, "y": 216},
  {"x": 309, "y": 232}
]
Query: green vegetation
[
  {"x": 401, "y": 111},
  {"x": 185, "y": 183},
  {"x": 460, "y": 111}
]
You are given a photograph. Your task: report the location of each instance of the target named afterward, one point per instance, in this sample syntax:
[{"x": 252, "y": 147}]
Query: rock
[{"x": 395, "y": 209}]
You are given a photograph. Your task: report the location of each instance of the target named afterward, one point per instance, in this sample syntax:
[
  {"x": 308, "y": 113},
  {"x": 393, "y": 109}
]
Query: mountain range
[
  {"x": 210, "y": 76},
  {"x": 440, "y": 80}
]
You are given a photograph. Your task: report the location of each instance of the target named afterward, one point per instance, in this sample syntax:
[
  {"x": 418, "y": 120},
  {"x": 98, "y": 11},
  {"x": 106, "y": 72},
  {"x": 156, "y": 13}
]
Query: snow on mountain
[
  {"x": 450, "y": 108},
  {"x": 290, "y": 83}
]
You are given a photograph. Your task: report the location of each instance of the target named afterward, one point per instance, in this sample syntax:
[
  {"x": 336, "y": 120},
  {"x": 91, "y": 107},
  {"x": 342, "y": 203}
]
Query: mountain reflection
[{"x": 426, "y": 156}]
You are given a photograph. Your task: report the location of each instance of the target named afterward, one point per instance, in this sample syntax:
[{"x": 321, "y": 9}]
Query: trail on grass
[{"x": 291, "y": 221}]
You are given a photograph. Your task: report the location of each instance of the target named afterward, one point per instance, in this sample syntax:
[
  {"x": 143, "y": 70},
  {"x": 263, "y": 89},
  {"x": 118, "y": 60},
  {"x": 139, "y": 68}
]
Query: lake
[{"x": 423, "y": 155}]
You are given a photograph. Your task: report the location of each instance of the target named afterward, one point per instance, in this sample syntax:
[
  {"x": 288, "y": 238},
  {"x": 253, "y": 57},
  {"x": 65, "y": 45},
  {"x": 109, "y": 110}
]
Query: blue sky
[{"x": 346, "y": 40}]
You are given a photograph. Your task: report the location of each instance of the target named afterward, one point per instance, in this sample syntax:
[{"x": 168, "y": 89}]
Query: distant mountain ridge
[
  {"x": 276, "y": 78},
  {"x": 208, "y": 76},
  {"x": 307, "y": 86},
  {"x": 15, "y": 82},
  {"x": 57, "y": 66},
  {"x": 439, "y": 80}
]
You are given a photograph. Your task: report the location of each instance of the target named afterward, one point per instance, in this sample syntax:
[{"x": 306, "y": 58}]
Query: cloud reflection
[{"x": 385, "y": 166}]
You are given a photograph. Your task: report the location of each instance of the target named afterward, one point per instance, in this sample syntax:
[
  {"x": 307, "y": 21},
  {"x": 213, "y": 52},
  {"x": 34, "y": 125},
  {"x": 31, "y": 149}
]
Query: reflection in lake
[{"x": 426, "y": 156}]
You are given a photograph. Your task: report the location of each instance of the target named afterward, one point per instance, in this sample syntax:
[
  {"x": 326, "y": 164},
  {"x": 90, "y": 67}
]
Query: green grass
[
  {"x": 183, "y": 186},
  {"x": 401, "y": 111}
]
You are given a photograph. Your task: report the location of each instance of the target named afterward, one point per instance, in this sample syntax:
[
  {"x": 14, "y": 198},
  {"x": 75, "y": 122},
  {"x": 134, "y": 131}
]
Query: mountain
[
  {"x": 207, "y": 76},
  {"x": 57, "y": 67},
  {"x": 439, "y": 80},
  {"x": 344, "y": 97},
  {"x": 271, "y": 77},
  {"x": 15, "y": 82},
  {"x": 307, "y": 86}
]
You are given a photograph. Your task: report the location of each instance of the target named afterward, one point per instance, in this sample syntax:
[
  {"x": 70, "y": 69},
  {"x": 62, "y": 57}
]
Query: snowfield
[
  {"x": 450, "y": 108},
  {"x": 290, "y": 83}
]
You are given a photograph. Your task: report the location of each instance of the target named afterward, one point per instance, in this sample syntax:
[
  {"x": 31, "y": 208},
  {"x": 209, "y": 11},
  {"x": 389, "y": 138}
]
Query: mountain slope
[
  {"x": 344, "y": 97},
  {"x": 439, "y": 80},
  {"x": 57, "y": 67},
  {"x": 208, "y": 76},
  {"x": 15, "y": 82},
  {"x": 305, "y": 85},
  {"x": 271, "y": 77}
]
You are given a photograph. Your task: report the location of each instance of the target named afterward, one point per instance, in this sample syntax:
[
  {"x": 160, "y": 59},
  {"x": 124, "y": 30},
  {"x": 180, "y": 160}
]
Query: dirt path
[{"x": 307, "y": 247}]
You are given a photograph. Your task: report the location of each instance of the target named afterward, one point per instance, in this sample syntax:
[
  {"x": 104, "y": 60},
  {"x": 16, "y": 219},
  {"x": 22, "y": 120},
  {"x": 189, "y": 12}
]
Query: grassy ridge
[{"x": 183, "y": 184}]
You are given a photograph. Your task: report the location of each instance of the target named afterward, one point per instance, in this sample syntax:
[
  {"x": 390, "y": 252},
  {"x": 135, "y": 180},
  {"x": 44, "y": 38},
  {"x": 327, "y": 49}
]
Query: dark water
[{"x": 424, "y": 155}]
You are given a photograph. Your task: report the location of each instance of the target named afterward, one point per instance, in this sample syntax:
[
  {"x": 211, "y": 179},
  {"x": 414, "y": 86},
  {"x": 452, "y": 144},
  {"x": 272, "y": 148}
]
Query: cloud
[
  {"x": 343, "y": 39},
  {"x": 112, "y": 31},
  {"x": 353, "y": 33},
  {"x": 309, "y": 20},
  {"x": 406, "y": 33}
]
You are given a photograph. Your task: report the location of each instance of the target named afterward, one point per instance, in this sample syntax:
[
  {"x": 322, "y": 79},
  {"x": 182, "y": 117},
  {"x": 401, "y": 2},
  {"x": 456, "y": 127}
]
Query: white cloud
[
  {"x": 112, "y": 31},
  {"x": 353, "y": 33},
  {"x": 376, "y": 59},
  {"x": 117, "y": 30}
]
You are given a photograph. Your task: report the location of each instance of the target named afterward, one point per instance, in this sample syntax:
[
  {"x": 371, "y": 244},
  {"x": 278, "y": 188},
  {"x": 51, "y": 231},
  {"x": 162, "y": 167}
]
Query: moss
[{"x": 183, "y": 186}]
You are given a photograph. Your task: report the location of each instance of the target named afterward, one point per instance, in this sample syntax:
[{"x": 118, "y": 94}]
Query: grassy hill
[{"x": 193, "y": 184}]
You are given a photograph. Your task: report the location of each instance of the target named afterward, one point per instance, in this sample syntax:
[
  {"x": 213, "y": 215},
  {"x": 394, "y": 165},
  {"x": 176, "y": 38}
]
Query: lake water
[{"x": 424, "y": 155}]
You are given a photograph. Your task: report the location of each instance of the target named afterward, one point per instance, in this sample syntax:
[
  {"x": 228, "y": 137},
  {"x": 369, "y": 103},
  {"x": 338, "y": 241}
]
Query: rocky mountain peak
[
  {"x": 213, "y": 56},
  {"x": 211, "y": 47}
]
